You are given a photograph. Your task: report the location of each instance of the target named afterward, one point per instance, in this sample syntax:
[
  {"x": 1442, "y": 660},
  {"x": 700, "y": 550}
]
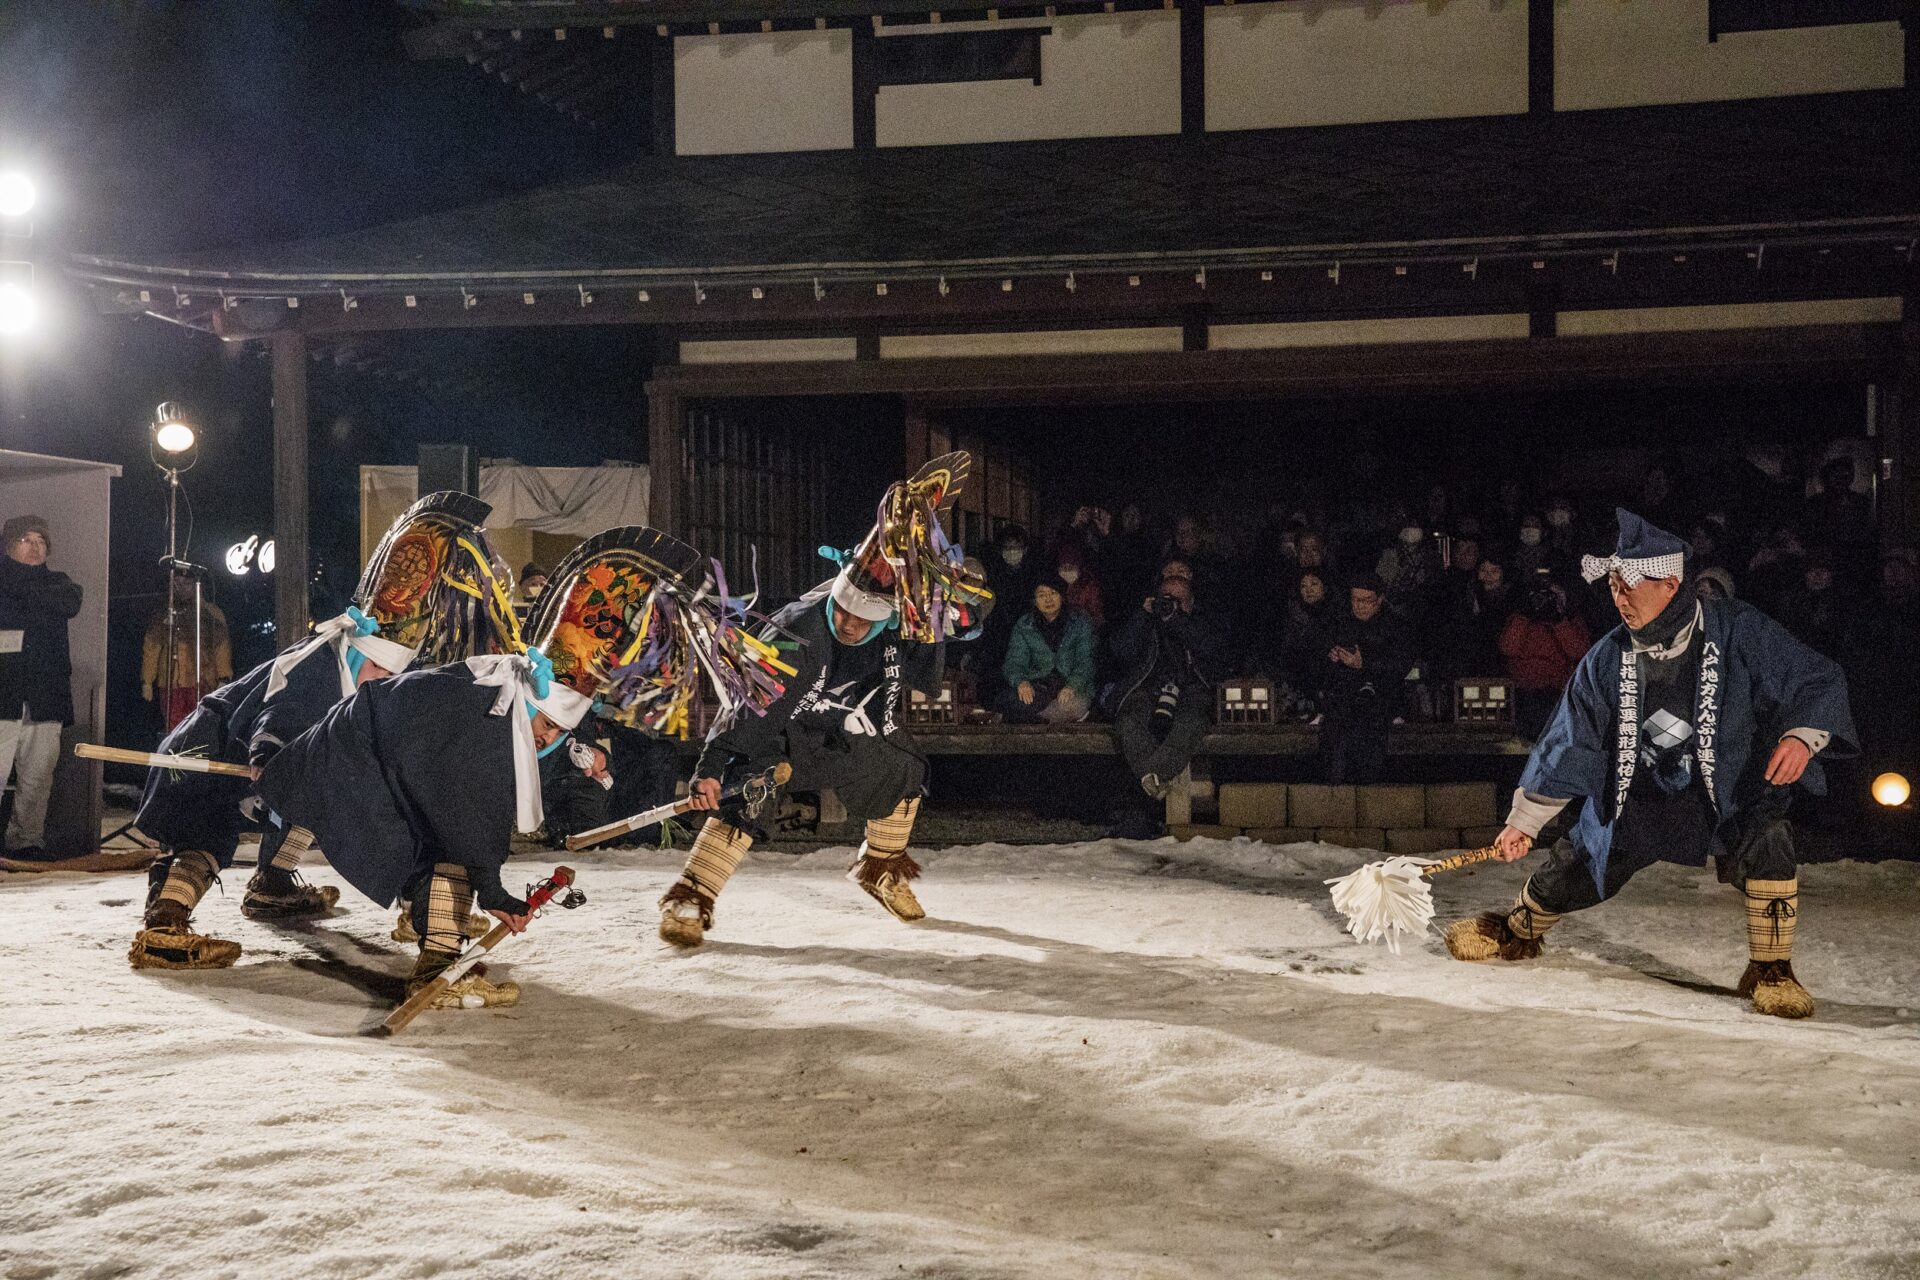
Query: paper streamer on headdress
[
  {"x": 435, "y": 583},
  {"x": 907, "y": 555},
  {"x": 633, "y": 617}
]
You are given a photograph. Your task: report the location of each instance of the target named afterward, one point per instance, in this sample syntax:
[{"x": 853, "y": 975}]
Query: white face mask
[
  {"x": 1069, "y": 576},
  {"x": 1013, "y": 556},
  {"x": 1530, "y": 536},
  {"x": 1411, "y": 534},
  {"x": 1559, "y": 519}
]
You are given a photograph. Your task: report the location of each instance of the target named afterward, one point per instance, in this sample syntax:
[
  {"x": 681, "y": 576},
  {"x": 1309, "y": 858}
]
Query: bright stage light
[
  {"x": 17, "y": 309},
  {"x": 17, "y": 195},
  {"x": 1891, "y": 790},
  {"x": 171, "y": 430}
]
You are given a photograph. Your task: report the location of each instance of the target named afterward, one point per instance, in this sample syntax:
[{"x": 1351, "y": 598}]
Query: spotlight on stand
[
  {"x": 17, "y": 309},
  {"x": 1891, "y": 790},
  {"x": 173, "y": 435},
  {"x": 17, "y": 194}
]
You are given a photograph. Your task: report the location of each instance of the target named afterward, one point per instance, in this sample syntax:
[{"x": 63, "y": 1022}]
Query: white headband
[
  {"x": 1632, "y": 571},
  {"x": 861, "y": 604}
]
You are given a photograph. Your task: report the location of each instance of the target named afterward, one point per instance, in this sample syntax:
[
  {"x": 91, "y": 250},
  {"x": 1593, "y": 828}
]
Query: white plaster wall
[
  {"x": 1745, "y": 315},
  {"x": 1102, "y": 75},
  {"x": 1624, "y": 53},
  {"x": 766, "y": 350},
  {"x": 782, "y": 91},
  {"x": 1358, "y": 333},
  {"x": 1311, "y": 62},
  {"x": 1050, "y": 342}
]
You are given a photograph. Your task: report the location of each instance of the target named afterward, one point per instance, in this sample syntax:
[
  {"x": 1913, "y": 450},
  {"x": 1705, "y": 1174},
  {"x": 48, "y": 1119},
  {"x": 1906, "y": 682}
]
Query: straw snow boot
[
  {"x": 273, "y": 894},
  {"x": 885, "y": 878},
  {"x": 685, "y": 915},
  {"x": 883, "y": 868},
  {"x": 1775, "y": 990},
  {"x": 1515, "y": 934},
  {"x": 169, "y": 942},
  {"x": 1772, "y": 910},
  {"x": 474, "y": 991}
]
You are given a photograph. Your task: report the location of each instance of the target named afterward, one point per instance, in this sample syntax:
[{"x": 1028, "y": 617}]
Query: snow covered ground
[{"x": 1099, "y": 1060}]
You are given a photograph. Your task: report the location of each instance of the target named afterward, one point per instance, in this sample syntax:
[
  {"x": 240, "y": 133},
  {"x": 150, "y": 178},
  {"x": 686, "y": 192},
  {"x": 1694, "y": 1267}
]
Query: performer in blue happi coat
[
  {"x": 433, "y": 587},
  {"x": 1682, "y": 734}
]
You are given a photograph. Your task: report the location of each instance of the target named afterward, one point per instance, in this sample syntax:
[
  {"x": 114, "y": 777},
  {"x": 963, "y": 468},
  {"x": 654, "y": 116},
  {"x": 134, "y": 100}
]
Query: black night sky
[{"x": 153, "y": 126}]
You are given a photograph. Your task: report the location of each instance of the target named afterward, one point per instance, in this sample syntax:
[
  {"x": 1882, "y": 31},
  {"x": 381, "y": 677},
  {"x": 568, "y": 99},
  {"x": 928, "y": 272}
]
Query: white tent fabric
[{"x": 578, "y": 501}]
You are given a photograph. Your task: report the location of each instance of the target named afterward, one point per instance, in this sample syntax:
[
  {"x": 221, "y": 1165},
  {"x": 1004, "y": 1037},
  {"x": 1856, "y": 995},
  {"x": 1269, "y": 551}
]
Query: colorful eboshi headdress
[
  {"x": 906, "y": 566},
  {"x": 435, "y": 584},
  {"x": 633, "y": 617}
]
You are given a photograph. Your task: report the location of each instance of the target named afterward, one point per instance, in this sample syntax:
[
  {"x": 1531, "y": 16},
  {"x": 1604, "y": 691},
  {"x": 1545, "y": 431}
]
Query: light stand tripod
[{"x": 171, "y": 444}]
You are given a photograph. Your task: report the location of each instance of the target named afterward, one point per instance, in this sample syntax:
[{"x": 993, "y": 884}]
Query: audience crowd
[{"x": 1364, "y": 614}]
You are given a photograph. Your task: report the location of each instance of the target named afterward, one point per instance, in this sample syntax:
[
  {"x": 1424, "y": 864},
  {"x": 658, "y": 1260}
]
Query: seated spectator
[
  {"x": 1310, "y": 552},
  {"x": 1191, "y": 546},
  {"x": 1715, "y": 583},
  {"x": 1011, "y": 575},
  {"x": 1127, "y": 561},
  {"x": 1542, "y": 642},
  {"x": 1303, "y": 644},
  {"x": 1774, "y": 571},
  {"x": 1049, "y": 664},
  {"x": 1082, "y": 585},
  {"x": 1818, "y": 614},
  {"x": 1533, "y": 554},
  {"x": 1368, "y": 656},
  {"x": 1166, "y": 702},
  {"x": 1838, "y": 515}
]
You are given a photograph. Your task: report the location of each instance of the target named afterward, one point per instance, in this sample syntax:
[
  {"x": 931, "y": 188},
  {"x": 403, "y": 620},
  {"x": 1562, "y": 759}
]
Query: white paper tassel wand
[{"x": 1384, "y": 900}]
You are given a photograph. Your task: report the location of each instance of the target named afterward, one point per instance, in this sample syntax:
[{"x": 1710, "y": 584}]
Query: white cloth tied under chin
[
  {"x": 515, "y": 677},
  {"x": 342, "y": 633}
]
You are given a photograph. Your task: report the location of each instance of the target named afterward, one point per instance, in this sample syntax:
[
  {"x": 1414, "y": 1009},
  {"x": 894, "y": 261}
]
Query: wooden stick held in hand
[
  {"x": 155, "y": 760},
  {"x": 774, "y": 777}
]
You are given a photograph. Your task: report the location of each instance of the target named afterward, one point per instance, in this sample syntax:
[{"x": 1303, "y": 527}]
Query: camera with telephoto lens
[
  {"x": 1165, "y": 606},
  {"x": 1543, "y": 602}
]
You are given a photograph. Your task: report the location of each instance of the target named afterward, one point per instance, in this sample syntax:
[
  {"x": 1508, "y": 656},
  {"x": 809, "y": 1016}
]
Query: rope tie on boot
[
  {"x": 1528, "y": 919},
  {"x": 449, "y": 902},
  {"x": 1773, "y": 906}
]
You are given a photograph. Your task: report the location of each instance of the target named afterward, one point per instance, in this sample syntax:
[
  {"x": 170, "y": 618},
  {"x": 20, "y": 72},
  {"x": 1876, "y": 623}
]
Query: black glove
[{"x": 491, "y": 895}]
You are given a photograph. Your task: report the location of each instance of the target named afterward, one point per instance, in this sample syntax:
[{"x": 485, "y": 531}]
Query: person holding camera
[
  {"x": 1541, "y": 645},
  {"x": 1366, "y": 662},
  {"x": 1171, "y": 652}
]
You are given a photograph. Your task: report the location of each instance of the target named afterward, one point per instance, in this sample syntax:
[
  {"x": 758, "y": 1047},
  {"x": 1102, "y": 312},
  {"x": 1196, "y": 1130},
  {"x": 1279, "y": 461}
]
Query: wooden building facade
[{"x": 864, "y": 219}]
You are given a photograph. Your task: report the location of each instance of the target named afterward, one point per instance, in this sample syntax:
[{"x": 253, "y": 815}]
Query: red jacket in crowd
[{"x": 1543, "y": 655}]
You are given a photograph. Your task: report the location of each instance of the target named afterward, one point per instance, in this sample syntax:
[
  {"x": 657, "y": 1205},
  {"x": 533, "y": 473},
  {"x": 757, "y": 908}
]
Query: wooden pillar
[
  {"x": 1193, "y": 67},
  {"x": 661, "y": 139},
  {"x": 1540, "y": 57},
  {"x": 289, "y": 486},
  {"x": 666, "y": 460},
  {"x": 866, "y": 85},
  {"x": 1899, "y": 483}
]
